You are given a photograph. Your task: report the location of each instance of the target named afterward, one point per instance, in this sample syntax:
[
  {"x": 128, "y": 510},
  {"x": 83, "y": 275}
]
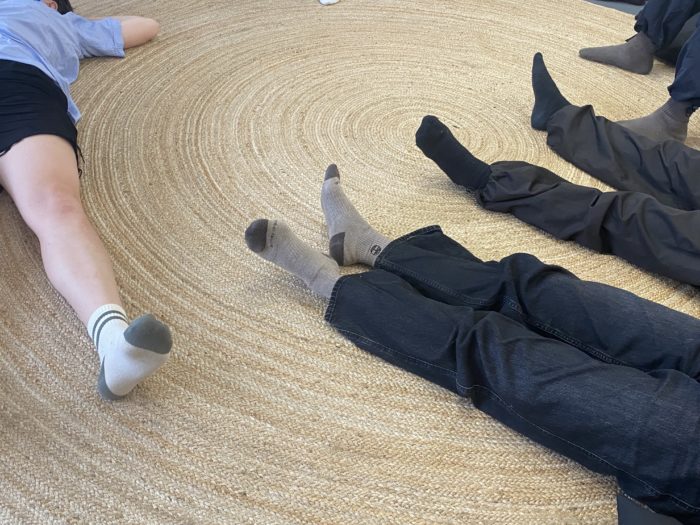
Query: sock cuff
[
  {"x": 101, "y": 316},
  {"x": 679, "y": 111},
  {"x": 642, "y": 41}
]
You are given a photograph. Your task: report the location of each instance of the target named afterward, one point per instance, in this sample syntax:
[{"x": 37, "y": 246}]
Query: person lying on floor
[
  {"x": 658, "y": 24},
  {"x": 41, "y": 45},
  {"x": 654, "y": 222},
  {"x": 593, "y": 372}
]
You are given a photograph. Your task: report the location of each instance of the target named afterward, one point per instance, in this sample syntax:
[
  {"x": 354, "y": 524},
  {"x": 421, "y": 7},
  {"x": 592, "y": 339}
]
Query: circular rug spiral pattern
[{"x": 264, "y": 415}]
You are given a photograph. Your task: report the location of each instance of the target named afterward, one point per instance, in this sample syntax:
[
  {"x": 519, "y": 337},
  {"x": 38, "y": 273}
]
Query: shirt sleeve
[{"x": 97, "y": 38}]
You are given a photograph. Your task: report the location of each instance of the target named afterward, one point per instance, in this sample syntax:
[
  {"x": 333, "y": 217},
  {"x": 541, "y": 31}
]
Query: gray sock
[
  {"x": 274, "y": 241},
  {"x": 670, "y": 121},
  {"x": 352, "y": 240},
  {"x": 635, "y": 55}
]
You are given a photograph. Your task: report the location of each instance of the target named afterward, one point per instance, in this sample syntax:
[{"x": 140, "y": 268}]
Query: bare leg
[{"x": 41, "y": 175}]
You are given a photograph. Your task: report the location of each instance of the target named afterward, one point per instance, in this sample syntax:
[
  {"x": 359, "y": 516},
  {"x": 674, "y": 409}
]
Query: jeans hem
[{"x": 333, "y": 299}]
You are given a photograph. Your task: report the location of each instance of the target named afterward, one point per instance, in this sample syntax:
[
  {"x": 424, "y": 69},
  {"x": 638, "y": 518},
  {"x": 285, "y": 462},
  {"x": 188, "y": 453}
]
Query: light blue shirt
[{"x": 34, "y": 34}]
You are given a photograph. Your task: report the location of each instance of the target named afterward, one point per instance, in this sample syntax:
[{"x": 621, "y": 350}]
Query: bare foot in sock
[
  {"x": 635, "y": 55},
  {"x": 548, "y": 98},
  {"x": 669, "y": 122},
  {"x": 438, "y": 143},
  {"x": 352, "y": 239},
  {"x": 275, "y": 242}
]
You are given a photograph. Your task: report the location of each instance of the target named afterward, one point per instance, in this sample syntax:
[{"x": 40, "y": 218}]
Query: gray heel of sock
[
  {"x": 149, "y": 333},
  {"x": 256, "y": 235},
  {"x": 337, "y": 247},
  {"x": 103, "y": 389}
]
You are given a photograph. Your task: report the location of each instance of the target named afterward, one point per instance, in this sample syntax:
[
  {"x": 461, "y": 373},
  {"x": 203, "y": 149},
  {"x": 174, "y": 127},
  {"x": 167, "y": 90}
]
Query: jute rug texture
[{"x": 264, "y": 415}]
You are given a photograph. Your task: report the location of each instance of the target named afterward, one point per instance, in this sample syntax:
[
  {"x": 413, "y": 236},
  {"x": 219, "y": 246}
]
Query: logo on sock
[{"x": 375, "y": 249}]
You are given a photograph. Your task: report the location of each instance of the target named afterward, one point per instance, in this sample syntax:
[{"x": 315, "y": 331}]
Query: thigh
[
  {"x": 41, "y": 175},
  {"x": 640, "y": 427},
  {"x": 608, "y": 323}
]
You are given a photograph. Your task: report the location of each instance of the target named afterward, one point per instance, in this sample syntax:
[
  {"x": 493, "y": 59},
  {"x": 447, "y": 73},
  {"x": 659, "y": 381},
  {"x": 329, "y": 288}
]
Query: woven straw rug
[{"x": 264, "y": 415}]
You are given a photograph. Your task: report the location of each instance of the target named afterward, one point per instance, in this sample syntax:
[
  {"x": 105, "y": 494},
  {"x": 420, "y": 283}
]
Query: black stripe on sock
[
  {"x": 112, "y": 314},
  {"x": 115, "y": 316},
  {"x": 102, "y": 316}
]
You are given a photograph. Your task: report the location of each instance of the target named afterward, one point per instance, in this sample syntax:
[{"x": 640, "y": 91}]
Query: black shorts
[{"x": 31, "y": 104}]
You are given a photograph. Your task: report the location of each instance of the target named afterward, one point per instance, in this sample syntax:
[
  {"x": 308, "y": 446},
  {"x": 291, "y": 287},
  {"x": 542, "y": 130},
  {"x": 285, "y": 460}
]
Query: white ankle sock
[{"x": 129, "y": 353}]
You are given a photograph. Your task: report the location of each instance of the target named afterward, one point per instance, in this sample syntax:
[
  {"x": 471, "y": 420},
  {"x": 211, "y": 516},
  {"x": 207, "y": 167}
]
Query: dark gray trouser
[
  {"x": 662, "y": 21},
  {"x": 635, "y": 225},
  {"x": 668, "y": 171}
]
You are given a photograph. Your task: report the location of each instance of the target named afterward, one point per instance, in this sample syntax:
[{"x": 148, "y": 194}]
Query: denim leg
[
  {"x": 610, "y": 324},
  {"x": 662, "y": 20},
  {"x": 643, "y": 428},
  {"x": 668, "y": 171},
  {"x": 686, "y": 86},
  {"x": 631, "y": 225}
]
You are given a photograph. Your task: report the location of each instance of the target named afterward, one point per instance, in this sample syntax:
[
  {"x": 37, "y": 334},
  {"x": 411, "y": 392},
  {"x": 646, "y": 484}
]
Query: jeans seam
[
  {"x": 330, "y": 311},
  {"x": 634, "y": 501},
  {"x": 333, "y": 299},
  {"x": 563, "y": 336},
  {"x": 679, "y": 502}
]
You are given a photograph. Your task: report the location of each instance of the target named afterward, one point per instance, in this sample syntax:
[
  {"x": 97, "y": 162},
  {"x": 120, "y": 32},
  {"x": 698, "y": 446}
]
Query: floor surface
[{"x": 620, "y": 6}]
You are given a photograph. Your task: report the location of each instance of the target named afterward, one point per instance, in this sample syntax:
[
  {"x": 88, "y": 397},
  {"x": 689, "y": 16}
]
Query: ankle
[
  {"x": 642, "y": 43},
  {"x": 678, "y": 111},
  {"x": 106, "y": 324}
]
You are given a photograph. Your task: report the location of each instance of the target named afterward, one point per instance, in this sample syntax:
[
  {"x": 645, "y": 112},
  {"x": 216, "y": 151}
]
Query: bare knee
[{"x": 51, "y": 210}]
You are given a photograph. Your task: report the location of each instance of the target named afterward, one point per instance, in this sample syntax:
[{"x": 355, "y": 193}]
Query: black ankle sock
[
  {"x": 437, "y": 142},
  {"x": 548, "y": 98}
]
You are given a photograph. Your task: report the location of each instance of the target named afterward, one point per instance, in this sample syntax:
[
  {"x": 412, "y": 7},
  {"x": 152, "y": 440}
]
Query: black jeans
[{"x": 593, "y": 372}]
